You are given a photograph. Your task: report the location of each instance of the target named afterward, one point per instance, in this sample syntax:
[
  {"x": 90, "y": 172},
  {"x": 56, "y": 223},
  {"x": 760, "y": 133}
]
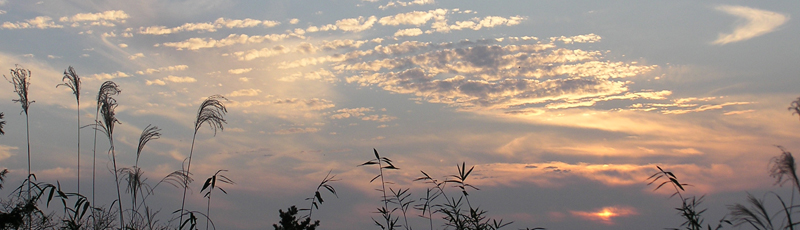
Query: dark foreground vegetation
[{"x": 445, "y": 200}]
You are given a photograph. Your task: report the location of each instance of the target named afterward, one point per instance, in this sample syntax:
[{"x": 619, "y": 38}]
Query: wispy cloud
[
  {"x": 162, "y": 69},
  {"x": 41, "y": 22},
  {"x": 106, "y": 18},
  {"x": 208, "y": 26},
  {"x": 296, "y": 130},
  {"x": 233, "y": 39},
  {"x": 756, "y": 23},
  {"x": 402, "y": 3},
  {"x": 108, "y": 76},
  {"x": 173, "y": 79},
  {"x": 408, "y": 32},
  {"x": 356, "y": 24},
  {"x": 240, "y": 71}
]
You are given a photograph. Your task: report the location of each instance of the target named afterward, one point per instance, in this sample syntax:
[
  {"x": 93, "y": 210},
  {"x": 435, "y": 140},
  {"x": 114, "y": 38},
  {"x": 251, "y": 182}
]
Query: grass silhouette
[
  {"x": 73, "y": 81},
  {"x": 20, "y": 78},
  {"x": 211, "y": 184},
  {"x": 446, "y": 199},
  {"x": 211, "y": 111},
  {"x": 107, "y": 89}
]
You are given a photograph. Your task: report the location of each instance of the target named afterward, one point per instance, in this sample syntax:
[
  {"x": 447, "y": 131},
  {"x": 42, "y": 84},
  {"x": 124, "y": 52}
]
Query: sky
[{"x": 564, "y": 108}]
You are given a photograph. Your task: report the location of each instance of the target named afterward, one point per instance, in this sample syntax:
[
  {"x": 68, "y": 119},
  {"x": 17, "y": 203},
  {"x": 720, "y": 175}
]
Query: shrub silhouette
[{"x": 289, "y": 221}]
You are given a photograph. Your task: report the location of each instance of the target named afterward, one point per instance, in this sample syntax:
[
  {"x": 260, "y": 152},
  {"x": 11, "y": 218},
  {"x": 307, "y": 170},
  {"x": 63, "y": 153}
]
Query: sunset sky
[{"x": 563, "y": 107}]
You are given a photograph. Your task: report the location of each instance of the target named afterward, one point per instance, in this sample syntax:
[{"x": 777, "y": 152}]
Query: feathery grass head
[
  {"x": 783, "y": 165},
  {"x": 795, "y": 107},
  {"x": 756, "y": 216},
  {"x": 107, "y": 108},
  {"x": 73, "y": 82},
  {"x": 107, "y": 89},
  {"x": 20, "y": 78},
  {"x": 211, "y": 111},
  {"x": 149, "y": 133},
  {"x": 2, "y": 123},
  {"x": 178, "y": 178}
]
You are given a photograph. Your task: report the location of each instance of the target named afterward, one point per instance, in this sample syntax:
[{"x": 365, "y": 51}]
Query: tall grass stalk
[
  {"x": 316, "y": 199},
  {"x": 20, "y": 78},
  {"x": 475, "y": 218},
  {"x": 107, "y": 89},
  {"x": 107, "y": 107},
  {"x": 384, "y": 211},
  {"x": 73, "y": 81},
  {"x": 135, "y": 175},
  {"x": 211, "y": 111}
]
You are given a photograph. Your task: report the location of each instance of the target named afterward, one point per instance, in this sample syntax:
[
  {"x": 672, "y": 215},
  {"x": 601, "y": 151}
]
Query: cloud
[
  {"x": 245, "y": 93},
  {"x": 586, "y": 38},
  {"x": 261, "y": 53},
  {"x": 233, "y": 39},
  {"x": 108, "y": 76},
  {"x": 321, "y": 74},
  {"x": 5, "y": 151},
  {"x": 401, "y": 3},
  {"x": 353, "y": 112},
  {"x": 379, "y": 118},
  {"x": 106, "y": 18},
  {"x": 313, "y": 104},
  {"x": 416, "y": 18},
  {"x": 294, "y": 21},
  {"x": 296, "y": 131},
  {"x": 170, "y": 78},
  {"x": 208, "y": 26},
  {"x": 408, "y": 32},
  {"x": 478, "y": 23},
  {"x": 136, "y": 56},
  {"x": 356, "y": 24},
  {"x": 341, "y": 43},
  {"x": 239, "y": 71},
  {"x": 41, "y": 22},
  {"x": 687, "y": 105},
  {"x": 173, "y": 68},
  {"x": 757, "y": 22},
  {"x": 499, "y": 77}
]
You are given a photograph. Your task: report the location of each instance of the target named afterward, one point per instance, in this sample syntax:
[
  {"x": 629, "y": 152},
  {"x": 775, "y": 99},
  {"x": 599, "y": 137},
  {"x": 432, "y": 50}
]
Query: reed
[
  {"x": 73, "y": 81},
  {"x": 20, "y": 78},
  {"x": 212, "y": 111},
  {"x": 107, "y": 89},
  {"x": 389, "y": 222},
  {"x": 107, "y": 107}
]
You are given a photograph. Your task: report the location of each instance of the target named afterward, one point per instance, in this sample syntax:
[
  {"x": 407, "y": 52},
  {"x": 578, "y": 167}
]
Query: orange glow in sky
[{"x": 605, "y": 214}]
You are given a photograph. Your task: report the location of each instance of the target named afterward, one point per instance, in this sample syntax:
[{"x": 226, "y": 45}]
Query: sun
[{"x": 606, "y": 214}]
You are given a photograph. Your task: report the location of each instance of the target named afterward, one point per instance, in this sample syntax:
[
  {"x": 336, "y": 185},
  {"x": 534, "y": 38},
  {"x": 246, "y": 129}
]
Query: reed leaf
[{"x": 211, "y": 183}]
